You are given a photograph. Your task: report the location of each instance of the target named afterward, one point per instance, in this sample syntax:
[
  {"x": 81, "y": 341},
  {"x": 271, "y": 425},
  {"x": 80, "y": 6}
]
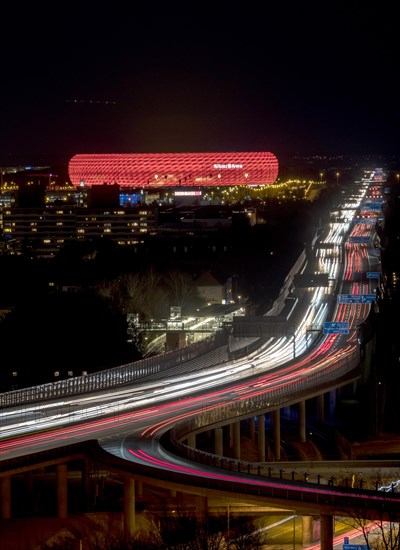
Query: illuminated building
[
  {"x": 45, "y": 230},
  {"x": 158, "y": 170}
]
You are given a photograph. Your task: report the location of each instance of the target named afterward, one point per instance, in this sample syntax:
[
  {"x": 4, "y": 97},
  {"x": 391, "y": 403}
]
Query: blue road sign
[
  {"x": 372, "y": 206},
  {"x": 365, "y": 220},
  {"x": 356, "y": 298},
  {"x": 355, "y": 547},
  {"x": 336, "y": 327},
  {"x": 359, "y": 239},
  {"x": 373, "y": 274}
]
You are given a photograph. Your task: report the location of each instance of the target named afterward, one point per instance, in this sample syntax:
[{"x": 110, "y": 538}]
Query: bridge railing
[
  {"x": 332, "y": 374},
  {"x": 111, "y": 378}
]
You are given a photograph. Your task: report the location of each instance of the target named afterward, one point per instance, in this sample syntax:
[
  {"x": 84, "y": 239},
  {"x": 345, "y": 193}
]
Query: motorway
[{"x": 130, "y": 421}]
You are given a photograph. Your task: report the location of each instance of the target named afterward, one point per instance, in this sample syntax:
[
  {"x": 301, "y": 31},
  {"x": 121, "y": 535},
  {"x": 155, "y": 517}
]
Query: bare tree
[
  {"x": 141, "y": 293},
  {"x": 181, "y": 288},
  {"x": 380, "y": 533},
  {"x": 387, "y": 535},
  {"x": 182, "y": 531},
  {"x": 108, "y": 289},
  {"x": 133, "y": 289},
  {"x": 155, "y": 295},
  {"x": 244, "y": 534}
]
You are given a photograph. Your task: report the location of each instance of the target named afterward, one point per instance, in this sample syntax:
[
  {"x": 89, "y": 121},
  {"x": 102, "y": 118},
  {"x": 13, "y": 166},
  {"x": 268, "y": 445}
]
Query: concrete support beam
[
  {"x": 261, "y": 437},
  {"x": 276, "y": 428},
  {"x": 252, "y": 428},
  {"x": 326, "y": 532},
  {"x": 192, "y": 441},
  {"x": 139, "y": 488},
  {"x": 307, "y": 530},
  {"x": 230, "y": 428},
  {"x": 201, "y": 505},
  {"x": 86, "y": 487},
  {"x": 219, "y": 442},
  {"x": 321, "y": 407},
  {"x": 62, "y": 490},
  {"x": 5, "y": 495},
  {"x": 129, "y": 508},
  {"x": 332, "y": 402},
  {"x": 302, "y": 421},
  {"x": 30, "y": 493},
  {"x": 236, "y": 440}
]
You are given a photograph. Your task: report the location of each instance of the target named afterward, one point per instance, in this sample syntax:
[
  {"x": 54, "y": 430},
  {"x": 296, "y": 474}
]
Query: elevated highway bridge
[{"x": 145, "y": 418}]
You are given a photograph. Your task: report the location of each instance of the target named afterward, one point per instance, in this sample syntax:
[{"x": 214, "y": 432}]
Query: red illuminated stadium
[{"x": 157, "y": 170}]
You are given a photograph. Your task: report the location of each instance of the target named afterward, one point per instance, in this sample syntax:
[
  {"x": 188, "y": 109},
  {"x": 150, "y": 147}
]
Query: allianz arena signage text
[{"x": 229, "y": 166}]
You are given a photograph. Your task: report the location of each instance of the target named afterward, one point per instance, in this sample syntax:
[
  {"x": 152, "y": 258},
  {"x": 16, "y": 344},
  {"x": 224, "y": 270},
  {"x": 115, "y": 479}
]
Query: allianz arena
[{"x": 157, "y": 170}]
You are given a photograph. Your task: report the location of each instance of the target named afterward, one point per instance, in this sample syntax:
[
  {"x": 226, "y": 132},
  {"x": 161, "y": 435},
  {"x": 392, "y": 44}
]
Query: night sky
[{"x": 308, "y": 77}]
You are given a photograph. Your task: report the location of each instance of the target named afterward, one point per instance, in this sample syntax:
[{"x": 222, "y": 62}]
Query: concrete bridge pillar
[
  {"x": 30, "y": 494},
  {"x": 326, "y": 532},
  {"x": 302, "y": 421},
  {"x": 62, "y": 490},
  {"x": 332, "y": 402},
  {"x": 261, "y": 437},
  {"x": 276, "y": 428},
  {"x": 252, "y": 428},
  {"x": 5, "y": 494},
  {"x": 29, "y": 481},
  {"x": 321, "y": 408},
  {"x": 129, "y": 508},
  {"x": 139, "y": 489},
  {"x": 201, "y": 505},
  {"x": 218, "y": 442},
  {"x": 307, "y": 530},
  {"x": 192, "y": 441},
  {"x": 236, "y": 440},
  {"x": 180, "y": 499},
  {"x": 86, "y": 486}
]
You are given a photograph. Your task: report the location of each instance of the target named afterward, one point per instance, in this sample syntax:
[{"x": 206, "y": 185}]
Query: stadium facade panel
[{"x": 157, "y": 170}]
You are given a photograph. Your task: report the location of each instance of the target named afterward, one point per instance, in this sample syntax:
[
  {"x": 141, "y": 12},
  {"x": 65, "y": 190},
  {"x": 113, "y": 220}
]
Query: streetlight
[
  {"x": 294, "y": 529},
  {"x": 320, "y": 176},
  {"x": 337, "y": 177}
]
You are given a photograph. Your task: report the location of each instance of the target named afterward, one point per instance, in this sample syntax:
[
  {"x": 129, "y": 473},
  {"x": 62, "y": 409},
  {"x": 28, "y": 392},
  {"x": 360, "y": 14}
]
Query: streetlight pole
[
  {"x": 294, "y": 529},
  {"x": 337, "y": 178}
]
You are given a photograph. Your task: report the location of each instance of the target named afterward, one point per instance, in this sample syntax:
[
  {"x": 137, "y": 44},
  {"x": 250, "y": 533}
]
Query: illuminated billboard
[{"x": 158, "y": 170}]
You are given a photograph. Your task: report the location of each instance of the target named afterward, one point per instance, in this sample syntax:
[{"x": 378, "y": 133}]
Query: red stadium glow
[{"x": 157, "y": 170}]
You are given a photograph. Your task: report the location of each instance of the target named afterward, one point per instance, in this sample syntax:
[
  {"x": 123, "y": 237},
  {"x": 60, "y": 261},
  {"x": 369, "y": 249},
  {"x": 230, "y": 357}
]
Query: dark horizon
[{"x": 300, "y": 79}]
